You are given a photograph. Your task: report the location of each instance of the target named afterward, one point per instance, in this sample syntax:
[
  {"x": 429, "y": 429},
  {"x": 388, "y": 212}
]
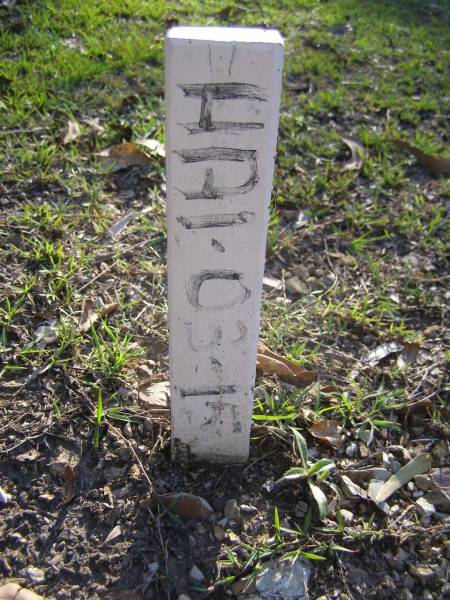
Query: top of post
[{"x": 250, "y": 35}]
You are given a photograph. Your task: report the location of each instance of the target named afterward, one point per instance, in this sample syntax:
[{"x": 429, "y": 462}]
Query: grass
[{"x": 372, "y": 254}]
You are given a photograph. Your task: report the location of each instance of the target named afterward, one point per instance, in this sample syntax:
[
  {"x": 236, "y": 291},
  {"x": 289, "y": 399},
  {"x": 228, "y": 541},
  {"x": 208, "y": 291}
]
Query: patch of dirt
[{"x": 67, "y": 541}]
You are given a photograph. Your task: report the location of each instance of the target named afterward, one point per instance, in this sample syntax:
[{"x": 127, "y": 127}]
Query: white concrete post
[{"x": 222, "y": 103}]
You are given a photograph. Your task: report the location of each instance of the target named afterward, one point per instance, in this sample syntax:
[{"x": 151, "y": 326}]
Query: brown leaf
[
  {"x": 286, "y": 370},
  {"x": 90, "y": 314},
  {"x": 125, "y": 155},
  {"x": 420, "y": 405},
  {"x": 408, "y": 355},
  {"x": 68, "y": 478},
  {"x": 70, "y": 133},
  {"x": 186, "y": 506},
  {"x": 327, "y": 431},
  {"x": 347, "y": 259},
  {"x": 155, "y": 396},
  {"x": 436, "y": 165},
  {"x": 12, "y": 591},
  {"x": 359, "y": 155},
  {"x": 153, "y": 145}
]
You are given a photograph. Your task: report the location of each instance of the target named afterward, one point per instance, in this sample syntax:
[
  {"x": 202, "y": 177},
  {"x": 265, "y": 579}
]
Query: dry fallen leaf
[
  {"x": 408, "y": 355},
  {"x": 68, "y": 478},
  {"x": 286, "y": 370},
  {"x": 74, "y": 44},
  {"x": 186, "y": 506},
  {"x": 347, "y": 259},
  {"x": 359, "y": 154},
  {"x": 155, "y": 396},
  {"x": 125, "y": 155},
  {"x": 113, "y": 534},
  {"x": 30, "y": 455},
  {"x": 327, "y": 431},
  {"x": 270, "y": 430},
  {"x": 408, "y": 350},
  {"x": 375, "y": 356},
  {"x": 363, "y": 475},
  {"x": 94, "y": 123},
  {"x": 117, "y": 227},
  {"x": 439, "y": 166},
  {"x": 12, "y": 591},
  {"x": 354, "y": 489},
  {"x": 90, "y": 314},
  {"x": 153, "y": 145},
  {"x": 417, "y": 466},
  {"x": 71, "y": 132}
]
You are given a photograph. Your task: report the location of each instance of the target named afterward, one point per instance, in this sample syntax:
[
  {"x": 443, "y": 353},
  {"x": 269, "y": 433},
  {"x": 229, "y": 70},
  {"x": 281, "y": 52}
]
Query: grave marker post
[{"x": 222, "y": 104}]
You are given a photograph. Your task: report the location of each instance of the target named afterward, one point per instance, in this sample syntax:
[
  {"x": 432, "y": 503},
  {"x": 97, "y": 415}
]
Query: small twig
[
  {"x": 27, "y": 439},
  {"x": 138, "y": 460},
  {"x": 91, "y": 281}
]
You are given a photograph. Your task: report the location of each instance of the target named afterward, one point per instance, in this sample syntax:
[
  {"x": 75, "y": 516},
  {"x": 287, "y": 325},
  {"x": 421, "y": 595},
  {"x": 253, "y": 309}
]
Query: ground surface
[{"x": 361, "y": 256}]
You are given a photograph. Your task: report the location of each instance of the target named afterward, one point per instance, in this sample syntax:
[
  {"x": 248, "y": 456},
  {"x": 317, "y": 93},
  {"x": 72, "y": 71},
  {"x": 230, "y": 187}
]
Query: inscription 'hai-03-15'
[{"x": 215, "y": 306}]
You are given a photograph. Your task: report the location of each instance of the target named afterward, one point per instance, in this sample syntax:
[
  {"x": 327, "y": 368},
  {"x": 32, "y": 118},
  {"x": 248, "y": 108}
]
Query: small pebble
[
  {"x": 301, "y": 508},
  {"x": 196, "y": 575},
  {"x": 201, "y": 529},
  {"x": 395, "y": 466},
  {"x": 425, "y": 508},
  {"x": 393, "y": 562},
  {"x": 4, "y": 496},
  {"x": 231, "y": 509},
  {"x": 6, "y": 566},
  {"x": 347, "y": 516},
  {"x": 314, "y": 452},
  {"x": 152, "y": 569},
  {"x": 352, "y": 450},
  {"x": 385, "y": 462},
  {"x": 127, "y": 431},
  {"x": 247, "y": 509},
  {"x": 422, "y": 572},
  {"x": 409, "y": 582},
  {"x": 16, "y": 537},
  {"x": 35, "y": 575},
  {"x": 47, "y": 498},
  {"x": 394, "y": 510},
  {"x": 403, "y": 555}
]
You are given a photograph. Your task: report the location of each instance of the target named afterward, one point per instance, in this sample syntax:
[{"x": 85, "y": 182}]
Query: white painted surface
[{"x": 222, "y": 104}]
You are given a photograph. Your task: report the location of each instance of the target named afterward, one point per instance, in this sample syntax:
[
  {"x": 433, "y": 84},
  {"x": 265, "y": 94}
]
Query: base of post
[{"x": 183, "y": 455}]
